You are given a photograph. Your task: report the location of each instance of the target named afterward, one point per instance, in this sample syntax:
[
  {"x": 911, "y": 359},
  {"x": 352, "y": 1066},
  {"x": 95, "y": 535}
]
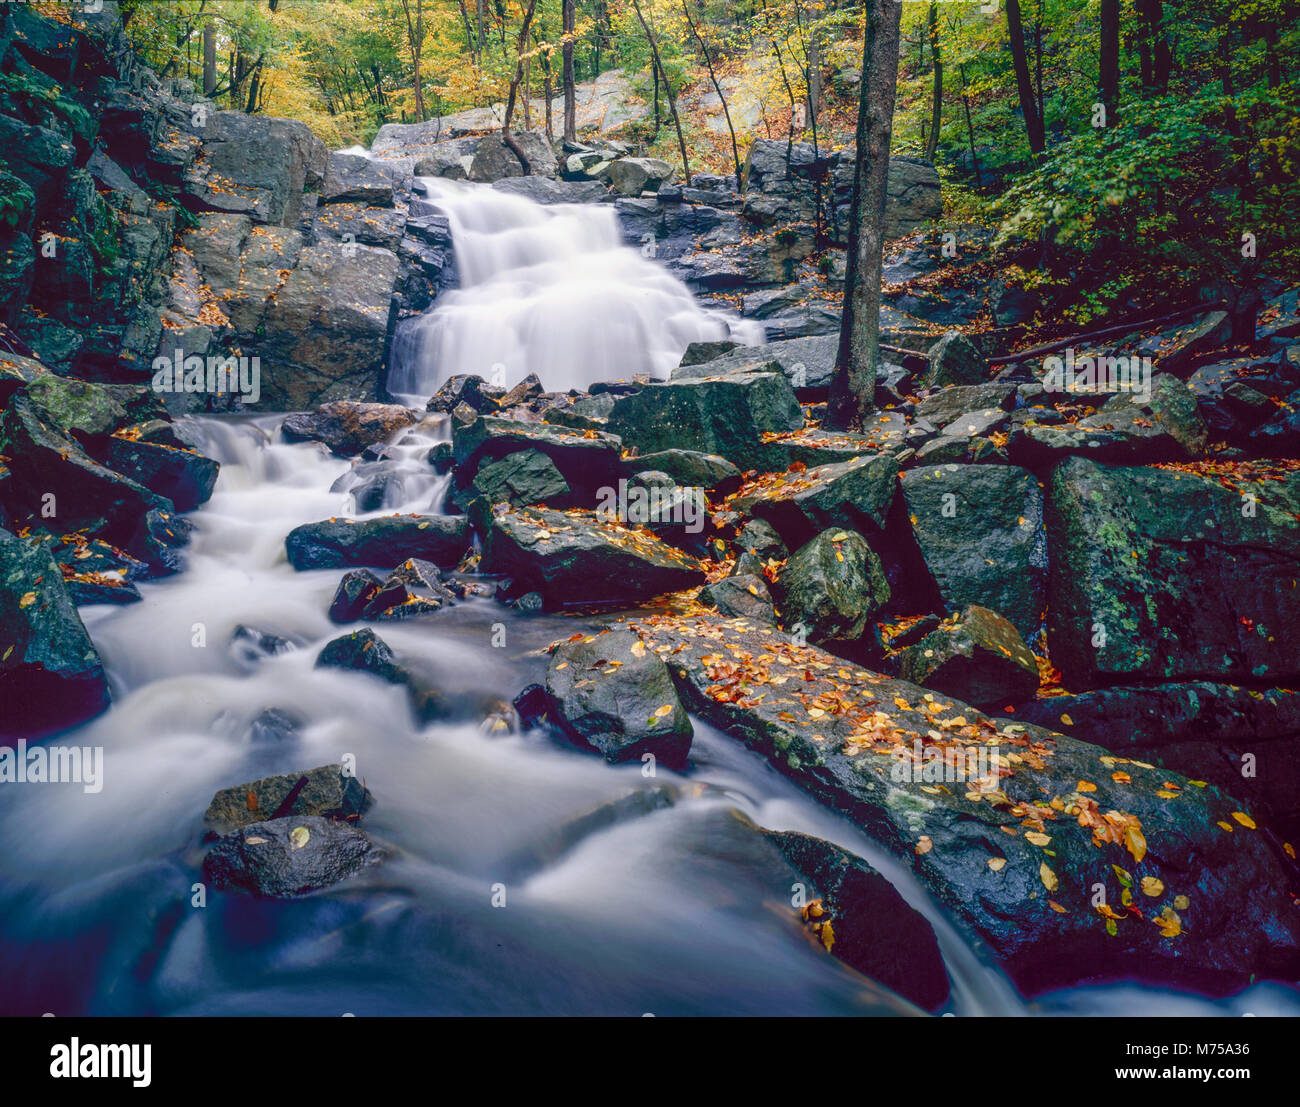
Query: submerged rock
[
  {"x": 365, "y": 651},
  {"x": 383, "y": 543}
]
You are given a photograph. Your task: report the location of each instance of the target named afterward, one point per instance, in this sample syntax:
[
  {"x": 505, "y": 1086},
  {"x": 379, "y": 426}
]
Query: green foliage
[{"x": 16, "y": 199}]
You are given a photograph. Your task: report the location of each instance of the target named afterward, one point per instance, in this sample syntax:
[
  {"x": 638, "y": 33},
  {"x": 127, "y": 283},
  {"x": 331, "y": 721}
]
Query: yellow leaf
[
  {"x": 1036, "y": 838},
  {"x": 667, "y": 709},
  {"x": 1056, "y": 907},
  {"x": 997, "y": 864},
  {"x": 1225, "y": 826},
  {"x": 924, "y": 844},
  {"x": 1066, "y": 720},
  {"x": 1169, "y": 923},
  {"x": 1137, "y": 845},
  {"x": 902, "y": 704},
  {"x": 1085, "y": 786},
  {"x": 1244, "y": 819},
  {"x": 1048, "y": 877},
  {"x": 828, "y": 935},
  {"x": 1152, "y": 886},
  {"x": 27, "y": 599},
  {"x": 1182, "y": 903}
]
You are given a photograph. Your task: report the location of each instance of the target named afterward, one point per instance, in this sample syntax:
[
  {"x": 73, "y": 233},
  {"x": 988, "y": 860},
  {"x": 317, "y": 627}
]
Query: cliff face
[{"x": 139, "y": 221}]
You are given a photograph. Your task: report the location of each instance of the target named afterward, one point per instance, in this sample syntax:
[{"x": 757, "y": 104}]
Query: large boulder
[
  {"x": 726, "y": 415},
  {"x": 525, "y": 477},
  {"x": 351, "y": 178},
  {"x": 632, "y": 176},
  {"x": 977, "y": 656},
  {"x": 494, "y": 160},
  {"x": 610, "y": 692},
  {"x": 979, "y": 529},
  {"x": 572, "y": 558},
  {"x": 288, "y": 857},
  {"x": 183, "y": 476},
  {"x": 346, "y": 427},
  {"x": 855, "y": 494},
  {"x": 51, "y": 677},
  {"x": 832, "y": 586},
  {"x": 955, "y": 359},
  {"x": 588, "y": 460},
  {"x": 1193, "y": 896},
  {"x": 381, "y": 543}
]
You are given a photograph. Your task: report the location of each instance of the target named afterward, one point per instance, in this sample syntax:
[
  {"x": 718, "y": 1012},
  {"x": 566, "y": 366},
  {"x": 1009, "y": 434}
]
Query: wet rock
[
  {"x": 494, "y": 160},
  {"x": 588, "y": 460},
  {"x": 633, "y": 176},
  {"x": 347, "y": 427},
  {"x": 979, "y": 530},
  {"x": 955, "y": 359},
  {"x": 288, "y": 857},
  {"x": 355, "y": 591},
  {"x": 862, "y": 920},
  {"x": 274, "y": 727},
  {"x": 1237, "y": 919},
  {"x": 942, "y": 407},
  {"x": 365, "y": 651},
  {"x": 413, "y": 588},
  {"x": 351, "y": 178},
  {"x": 977, "y": 656},
  {"x": 610, "y": 692},
  {"x": 1177, "y": 349},
  {"x": 326, "y": 791},
  {"x": 852, "y": 494},
  {"x": 464, "y": 388},
  {"x": 525, "y": 477},
  {"x": 760, "y": 538},
  {"x": 182, "y": 475},
  {"x": 741, "y": 594},
  {"x": 574, "y": 558},
  {"x": 583, "y": 413},
  {"x": 832, "y": 586},
  {"x": 724, "y": 415},
  {"x": 1167, "y": 575},
  {"x": 95, "y": 572},
  {"x": 51, "y": 677},
  {"x": 382, "y": 543},
  {"x": 689, "y": 469},
  {"x": 249, "y": 647}
]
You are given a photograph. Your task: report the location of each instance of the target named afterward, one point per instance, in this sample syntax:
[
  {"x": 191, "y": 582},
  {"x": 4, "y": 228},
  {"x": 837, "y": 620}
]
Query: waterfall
[{"x": 550, "y": 290}]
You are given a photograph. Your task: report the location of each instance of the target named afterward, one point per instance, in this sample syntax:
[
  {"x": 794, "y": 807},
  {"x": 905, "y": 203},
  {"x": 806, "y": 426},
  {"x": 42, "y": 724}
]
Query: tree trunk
[
  {"x": 936, "y": 115},
  {"x": 479, "y": 48},
  {"x": 209, "y": 58},
  {"x": 708, "y": 61},
  {"x": 415, "y": 33},
  {"x": 970, "y": 127},
  {"x": 570, "y": 92},
  {"x": 506, "y": 136},
  {"x": 1109, "y": 60},
  {"x": 853, "y": 389},
  {"x": 668, "y": 90},
  {"x": 1024, "y": 86}
]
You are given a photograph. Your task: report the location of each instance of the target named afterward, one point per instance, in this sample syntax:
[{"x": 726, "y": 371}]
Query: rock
[
  {"x": 51, "y": 677},
  {"x": 633, "y": 176},
  {"x": 355, "y": 591},
  {"x": 854, "y": 495},
  {"x": 609, "y": 692},
  {"x": 955, "y": 359},
  {"x": 545, "y": 190},
  {"x": 347, "y": 427},
  {"x": 413, "y": 588},
  {"x": 364, "y": 651},
  {"x": 976, "y": 656},
  {"x": 974, "y": 424},
  {"x": 689, "y": 469},
  {"x": 179, "y": 474},
  {"x": 289, "y": 857},
  {"x": 95, "y": 572},
  {"x": 494, "y": 160},
  {"x": 1174, "y": 575},
  {"x": 832, "y": 586},
  {"x": 461, "y": 389},
  {"x": 862, "y": 920},
  {"x": 249, "y": 647},
  {"x": 526, "y": 390},
  {"x": 725, "y": 415},
  {"x": 588, "y": 460},
  {"x": 942, "y": 407},
  {"x": 526, "y": 477},
  {"x": 571, "y": 557},
  {"x": 584, "y": 413},
  {"x": 351, "y": 178},
  {"x": 326, "y": 791},
  {"x": 382, "y": 543},
  {"x": 979, "y": 530},
  {"x": 856, "y": 755},
  {"x": 741, "y": 594},
  {"x": 1176, "y": 350}
]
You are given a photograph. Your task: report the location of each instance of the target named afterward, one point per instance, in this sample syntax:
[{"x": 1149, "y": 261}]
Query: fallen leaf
[
  {"x": 1048, "y": 877},
  {"x": 924, "y": 845}
]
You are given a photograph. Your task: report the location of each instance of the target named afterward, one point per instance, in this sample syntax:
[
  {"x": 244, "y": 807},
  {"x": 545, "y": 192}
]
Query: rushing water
[
  {"x": 671, "y": 908},
  {"x": 550, "y": 290}
]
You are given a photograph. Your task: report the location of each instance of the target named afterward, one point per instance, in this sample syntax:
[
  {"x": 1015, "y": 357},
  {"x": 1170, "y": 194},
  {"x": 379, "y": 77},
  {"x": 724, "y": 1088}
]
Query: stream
[{"x": 663, "y": 905}]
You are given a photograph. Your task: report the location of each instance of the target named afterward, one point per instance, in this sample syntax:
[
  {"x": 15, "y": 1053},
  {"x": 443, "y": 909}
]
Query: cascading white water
[{"x": 550, "y": 290}]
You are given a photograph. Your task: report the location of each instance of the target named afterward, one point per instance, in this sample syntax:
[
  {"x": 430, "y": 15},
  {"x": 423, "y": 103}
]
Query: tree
[
  {"x": 570, "y": 94},
  {"x": 1108, "y": 69},
  {"x": 853, "y": 388},
  {"x": 209, "y": 58},
  {"x": 936, "y": 117},
  {"x": 506, "y": 136},
  {"x": 415, "y": 35},
  {"x": 717, "y": 87},
  {"x": 1024, "y": 86},
  {"x": 668, "y": 88}
]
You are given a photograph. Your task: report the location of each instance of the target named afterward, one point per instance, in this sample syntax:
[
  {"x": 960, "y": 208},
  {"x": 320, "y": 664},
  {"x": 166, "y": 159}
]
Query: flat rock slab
[
  {"x": 1191, "y": 570},
  {"x": 854, "y": 494},
  {"x": 570, "y": 557},
  {"x": 288, "y": 857},
  {"x": 384, "y": 543},
  {"x": 1207, "y": 894}
]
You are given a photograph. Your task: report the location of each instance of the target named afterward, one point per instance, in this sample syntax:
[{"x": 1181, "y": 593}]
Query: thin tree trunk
[
  {"x": 668, "y": 90},
  {"x": 970, "y": 127},
  {"x": 506, "y": 136},
  {"x": 1109, "y": 60},
  {"x": 479, "y": 51},
  {"x": 936, "y": 115},
  {"x": 415, "y": 33},
  {"x": 708, "y": 61},
  {"x": 853, "y": 388},
  {"x": 1024, "y": 86},
  {"x": 569, "y": 16},
  {"x": 209, "y": 58}
]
